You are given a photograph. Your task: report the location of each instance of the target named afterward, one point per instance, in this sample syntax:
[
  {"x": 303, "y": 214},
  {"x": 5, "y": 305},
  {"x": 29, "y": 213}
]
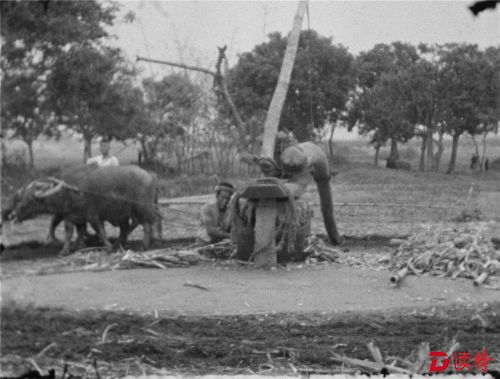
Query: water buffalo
[
  {"x": 73, "y": 175},
  {"x": 116, "y": 194},
  {"x": 398, "y": 165}
]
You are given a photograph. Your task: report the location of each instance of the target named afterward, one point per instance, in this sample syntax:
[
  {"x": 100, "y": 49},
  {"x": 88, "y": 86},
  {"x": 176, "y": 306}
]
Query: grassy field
[
  {"x": 369, "y": 200},
  {"x": 69, "y": 151}
]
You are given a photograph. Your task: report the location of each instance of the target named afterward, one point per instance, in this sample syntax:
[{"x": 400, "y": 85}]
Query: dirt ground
[
  {"x": 126, "y": 343},
  {"x": 286, "y": 321},
  {"x": 243, "y": 321}
]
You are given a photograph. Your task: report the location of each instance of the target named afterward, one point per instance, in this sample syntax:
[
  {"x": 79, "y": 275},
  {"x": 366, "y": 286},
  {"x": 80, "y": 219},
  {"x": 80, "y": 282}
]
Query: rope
[{"x": 147, "y": 46}]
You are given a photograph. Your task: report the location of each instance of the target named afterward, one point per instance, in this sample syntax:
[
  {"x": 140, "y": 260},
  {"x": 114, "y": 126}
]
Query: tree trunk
[
  {"x": 483, "y": 155},
  {"x": 87, "y": 148},
  {"x": 454, "y": 148},
  {"x": 377, "y": 150},
  {"x": 394, "y": 154},
  {"x": 31, "y": 156},
  {"x": 421, "y": 165},
  {"x": 475, "y": 146},
  {"x": 4, "y": 151},
  {"x": 145, "y": 153},
  {"x": 430, "y": 149},
  {"x": 439, "y": 153},
  {"x": 330, "y": 143}
]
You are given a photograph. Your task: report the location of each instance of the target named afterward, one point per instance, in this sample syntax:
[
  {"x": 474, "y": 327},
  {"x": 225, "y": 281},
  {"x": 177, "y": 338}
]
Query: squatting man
[{"x": 216, "y": 216}]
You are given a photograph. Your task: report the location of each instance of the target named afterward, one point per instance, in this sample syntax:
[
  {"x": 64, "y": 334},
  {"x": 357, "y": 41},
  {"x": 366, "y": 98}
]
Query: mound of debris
[
  {"x": 317, "y": 250},
  {"x": 95, "y": 259},
  {"x": 460, "y": 251}
]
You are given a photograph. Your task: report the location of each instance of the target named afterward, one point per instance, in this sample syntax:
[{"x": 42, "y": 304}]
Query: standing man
[
  {"x": 104, "y": 159},
  {"x": 215, "y": 217}
]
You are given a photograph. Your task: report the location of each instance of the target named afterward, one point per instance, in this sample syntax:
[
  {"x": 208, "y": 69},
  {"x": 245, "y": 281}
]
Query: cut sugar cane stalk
[
  {"x": 397, "y": 278},
  {"x": 481, "y": 278}
]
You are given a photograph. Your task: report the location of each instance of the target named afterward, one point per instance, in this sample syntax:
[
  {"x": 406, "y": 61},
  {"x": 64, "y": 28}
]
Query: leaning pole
[
  {"x": 274, "y": 112},
  {"x": 264, "y": 250}
]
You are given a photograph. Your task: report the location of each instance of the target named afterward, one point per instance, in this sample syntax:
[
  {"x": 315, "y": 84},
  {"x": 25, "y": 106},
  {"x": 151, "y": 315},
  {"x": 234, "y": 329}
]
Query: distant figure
[
  {"x": 215, "y": 216},
  {"x": 473, "y": 162},
  {"x": 487, "y": 164},
  {"x": 104, "y": 159}
]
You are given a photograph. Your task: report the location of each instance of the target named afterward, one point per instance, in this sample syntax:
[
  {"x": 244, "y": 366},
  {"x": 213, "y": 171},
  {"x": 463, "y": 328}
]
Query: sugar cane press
[{"x": 270, "y": 219}]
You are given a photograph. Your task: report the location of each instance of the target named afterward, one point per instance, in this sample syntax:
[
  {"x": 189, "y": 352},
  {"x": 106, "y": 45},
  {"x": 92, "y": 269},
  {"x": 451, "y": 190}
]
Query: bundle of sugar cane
[
  {"x": 220, "y": 250},
  {"x": 317, "y": 250},
  {"x": 466, "y": 252},
  {"x": 161, "y": 258}
]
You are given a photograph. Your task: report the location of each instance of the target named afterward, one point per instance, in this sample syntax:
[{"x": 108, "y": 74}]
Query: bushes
[{"x": 495, "y": 164}]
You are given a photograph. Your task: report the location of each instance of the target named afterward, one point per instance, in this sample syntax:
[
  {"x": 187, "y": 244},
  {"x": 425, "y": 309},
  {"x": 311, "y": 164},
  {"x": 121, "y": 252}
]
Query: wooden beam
[{"x": 274, "y": 112}]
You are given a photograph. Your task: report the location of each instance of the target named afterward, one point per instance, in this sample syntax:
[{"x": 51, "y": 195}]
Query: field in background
[
  {"x": 369, "y": 200},
  {"x": 69, "y": 151}
]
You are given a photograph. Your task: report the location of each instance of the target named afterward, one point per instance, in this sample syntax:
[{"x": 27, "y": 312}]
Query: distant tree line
[
  {"x": 392, "y": 93},
  {"x": 58, "y": 68}
]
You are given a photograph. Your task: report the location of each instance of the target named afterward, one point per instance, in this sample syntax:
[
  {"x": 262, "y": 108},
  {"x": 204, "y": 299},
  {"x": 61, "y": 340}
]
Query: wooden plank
[{"x": 274, "y": 112}]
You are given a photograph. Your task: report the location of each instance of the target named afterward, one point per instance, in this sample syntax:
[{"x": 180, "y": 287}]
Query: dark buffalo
[
  {"x": 398, "y": 165},
  {"x": 73, "y": 175},
  {"x": 115, "y": 194}
]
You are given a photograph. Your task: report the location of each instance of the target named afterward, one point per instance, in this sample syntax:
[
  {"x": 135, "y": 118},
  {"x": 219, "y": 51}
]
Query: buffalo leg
[
  {"x": 68, "y": 233},
  {"x": 134, "y": 224},
  {"x": 124, "y": 232},
  {"x": 157, "y": 232},
  {"x": 51, "y": 237},
  {"x": 81, "y": 230},
  {"x": 147, "y": 235},
  {"x": 101, "y": 232}
]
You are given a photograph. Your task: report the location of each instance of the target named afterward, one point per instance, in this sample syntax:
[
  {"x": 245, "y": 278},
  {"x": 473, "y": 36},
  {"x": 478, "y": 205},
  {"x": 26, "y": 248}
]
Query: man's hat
[
  {"x": 105, "y": 139},
  {"x": 224, "y": 186}
]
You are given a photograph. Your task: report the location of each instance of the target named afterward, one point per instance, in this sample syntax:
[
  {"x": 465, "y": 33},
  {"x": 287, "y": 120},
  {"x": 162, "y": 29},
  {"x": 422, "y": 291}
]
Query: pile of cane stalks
[
  {"x": 98, "y": 259},
  {"x": 459, "y": 251},
  {"x": 463, "y": 251}
]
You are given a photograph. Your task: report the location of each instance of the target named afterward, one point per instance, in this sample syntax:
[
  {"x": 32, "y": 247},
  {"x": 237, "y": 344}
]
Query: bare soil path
[{"x": 239, "y": 290}]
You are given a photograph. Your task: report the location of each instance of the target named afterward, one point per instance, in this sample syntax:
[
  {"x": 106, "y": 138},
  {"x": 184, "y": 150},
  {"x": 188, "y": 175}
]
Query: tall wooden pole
[
  {"x": 264, "y": 249},
  {"x": 274, "y": 112}
]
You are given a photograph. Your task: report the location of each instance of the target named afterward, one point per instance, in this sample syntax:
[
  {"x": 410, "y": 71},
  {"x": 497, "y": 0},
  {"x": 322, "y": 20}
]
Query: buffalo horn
[
  {"x": 63, "y": 183},
  {"x": 59, "y": 184},
  {"x": 42, "y": 194}
]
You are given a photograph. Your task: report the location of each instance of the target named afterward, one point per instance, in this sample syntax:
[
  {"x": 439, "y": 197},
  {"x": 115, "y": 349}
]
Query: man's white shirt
[{"x": 101, "y": 161}]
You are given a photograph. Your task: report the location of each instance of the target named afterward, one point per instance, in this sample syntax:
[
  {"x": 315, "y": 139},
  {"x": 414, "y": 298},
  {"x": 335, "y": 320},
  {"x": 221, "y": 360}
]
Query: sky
[{"x": 190, "y": 31}]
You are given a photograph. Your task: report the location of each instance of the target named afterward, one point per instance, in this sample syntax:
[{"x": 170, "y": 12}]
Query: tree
[
  {"x": 83, "y": 86},
  {"x": 425, "y": 92},
  {"x": 319, "y": 86},
  {"x": 171, "y": 106},
  {"x": 34, "y": 35},
  {"x": 378, "y": 103},
  {"x": 472, "y": 82},
  {"x": 24, "y": 110},
  {"x": 489, "y": 96},
  {"x": 383, "y": 112}
]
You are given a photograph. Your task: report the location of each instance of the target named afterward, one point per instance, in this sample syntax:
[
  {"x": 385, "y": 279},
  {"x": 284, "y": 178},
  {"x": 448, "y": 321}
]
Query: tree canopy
[
  {"x": 319, "y": 86},
  {"x": 35, "y": 35}
]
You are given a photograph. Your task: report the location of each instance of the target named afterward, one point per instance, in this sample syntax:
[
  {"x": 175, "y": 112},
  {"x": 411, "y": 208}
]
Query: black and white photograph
[{"x": 295, "y": 188}]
